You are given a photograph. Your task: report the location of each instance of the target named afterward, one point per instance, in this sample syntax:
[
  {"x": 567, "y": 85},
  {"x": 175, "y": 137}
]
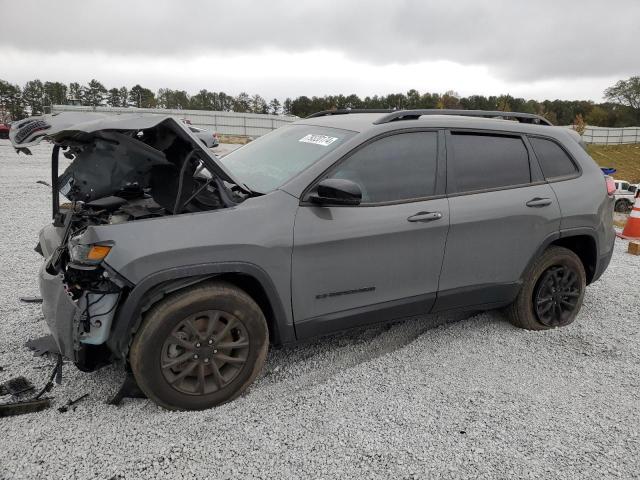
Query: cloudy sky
[{"x": 538, "y": 49}]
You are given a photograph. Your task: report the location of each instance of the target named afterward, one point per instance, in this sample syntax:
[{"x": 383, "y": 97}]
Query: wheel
[
  {"x": 200, "y": 347},
  {"x": 623, "y": 206},
  {"x": 552, "y": 292}
]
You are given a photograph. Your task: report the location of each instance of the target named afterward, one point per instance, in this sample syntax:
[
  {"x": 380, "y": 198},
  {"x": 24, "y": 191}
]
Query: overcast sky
[{"x": 568, "y": 49}]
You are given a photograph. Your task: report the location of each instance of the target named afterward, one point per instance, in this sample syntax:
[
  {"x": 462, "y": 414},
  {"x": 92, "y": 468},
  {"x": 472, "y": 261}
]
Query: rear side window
[
  {"x": 554, "y": 161},
  {"x": 480, "y": 162},
  {"x": 394, "y": 168}
]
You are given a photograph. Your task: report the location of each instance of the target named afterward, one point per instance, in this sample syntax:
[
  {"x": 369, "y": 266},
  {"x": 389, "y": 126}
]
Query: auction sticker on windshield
[{"x": 323, "y": 140}]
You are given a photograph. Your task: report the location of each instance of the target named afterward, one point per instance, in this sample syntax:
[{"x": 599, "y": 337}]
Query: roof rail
[
  {"x": 415, "y": 114},
  {"x": 344, "y": 111}
]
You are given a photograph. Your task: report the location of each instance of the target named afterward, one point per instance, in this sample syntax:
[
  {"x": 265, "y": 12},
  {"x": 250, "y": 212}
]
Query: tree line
[{"x": 621, "y": 108}]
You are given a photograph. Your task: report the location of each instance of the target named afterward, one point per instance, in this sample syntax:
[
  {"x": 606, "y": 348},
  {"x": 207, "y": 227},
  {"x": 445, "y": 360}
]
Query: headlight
[{"x": 89, "y": 254}]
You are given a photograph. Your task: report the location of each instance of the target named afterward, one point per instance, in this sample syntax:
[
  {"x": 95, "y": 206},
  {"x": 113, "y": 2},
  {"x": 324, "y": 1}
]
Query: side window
[
  {"x": 479, "y": 162},
  {"x": 554, "y": 161},
  {"x": 397, "y": 167}
]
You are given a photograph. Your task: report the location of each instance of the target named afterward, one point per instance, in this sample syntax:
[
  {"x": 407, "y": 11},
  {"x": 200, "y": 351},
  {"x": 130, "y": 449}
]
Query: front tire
[
  {"x": 200, "y": 347},
  {"x": 552, "y": 291}
]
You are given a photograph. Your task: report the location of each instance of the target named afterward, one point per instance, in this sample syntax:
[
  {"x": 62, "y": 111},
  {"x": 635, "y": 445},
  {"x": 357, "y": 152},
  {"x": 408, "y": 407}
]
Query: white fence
[
  {"x": 611, "y": 136},
  {"x": 226, "y": 123}
]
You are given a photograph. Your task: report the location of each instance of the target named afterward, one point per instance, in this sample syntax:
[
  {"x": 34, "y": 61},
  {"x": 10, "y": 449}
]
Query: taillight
[{"x": 611, "y": 186}]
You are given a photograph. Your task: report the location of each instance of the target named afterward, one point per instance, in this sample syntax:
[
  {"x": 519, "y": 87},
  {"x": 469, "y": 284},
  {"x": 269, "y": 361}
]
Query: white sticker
[{"x": 323, "y": 140}]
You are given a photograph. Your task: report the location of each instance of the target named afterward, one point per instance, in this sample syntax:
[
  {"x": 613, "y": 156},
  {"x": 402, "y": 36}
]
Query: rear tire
[
  {"x": 200, "y": 347},
  {"x": 552, "y": 291}
]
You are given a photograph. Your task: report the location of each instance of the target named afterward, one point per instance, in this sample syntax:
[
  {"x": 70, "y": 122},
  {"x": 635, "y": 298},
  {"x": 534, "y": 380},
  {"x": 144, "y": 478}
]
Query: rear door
[
  {"x": 379, "y": 260},
  {"x": 501, "y": 211}
]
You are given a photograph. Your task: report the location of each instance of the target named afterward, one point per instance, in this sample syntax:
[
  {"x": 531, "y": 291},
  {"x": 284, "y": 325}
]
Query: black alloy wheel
[
  {"x": 553, "y": 288},
  {"x": 556, "y": 295},
  {"x": 200, "y": 347}
]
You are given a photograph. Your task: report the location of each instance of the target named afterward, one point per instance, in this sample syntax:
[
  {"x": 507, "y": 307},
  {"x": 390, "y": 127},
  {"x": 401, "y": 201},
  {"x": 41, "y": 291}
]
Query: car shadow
[{"x": 314, "y": 361}]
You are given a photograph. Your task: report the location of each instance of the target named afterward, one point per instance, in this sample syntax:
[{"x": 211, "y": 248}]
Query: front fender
[{"x": 153, "y": 287}]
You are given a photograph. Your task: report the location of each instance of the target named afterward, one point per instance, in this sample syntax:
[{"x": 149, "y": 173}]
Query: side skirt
[
  {"x": 483, "y": 297},
  {"x": 368, "y": 315}
]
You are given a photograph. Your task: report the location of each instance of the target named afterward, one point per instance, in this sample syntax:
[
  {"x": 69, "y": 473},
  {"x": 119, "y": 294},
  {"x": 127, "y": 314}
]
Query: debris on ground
[
  {"x": 31, "y": 299},
  {"x": 19, "y": 385},
  {"x": 16, "y": 386},
  {"x": 42, "y": 345},
  {"x": 24, "y": 406},
  {"x": 128, "y": 389},
  {"x": 71, "y": 403}
]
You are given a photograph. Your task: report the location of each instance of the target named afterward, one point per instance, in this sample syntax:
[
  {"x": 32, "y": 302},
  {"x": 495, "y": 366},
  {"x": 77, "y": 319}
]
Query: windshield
[{"x": 273, "y": 159}]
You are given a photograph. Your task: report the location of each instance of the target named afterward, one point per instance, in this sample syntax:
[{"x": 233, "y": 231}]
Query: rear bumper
[{"x": 60, "y": 312}]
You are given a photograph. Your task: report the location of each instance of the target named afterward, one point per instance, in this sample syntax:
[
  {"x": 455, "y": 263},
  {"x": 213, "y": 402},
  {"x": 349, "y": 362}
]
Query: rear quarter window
[{"x": 554, "y": 161}]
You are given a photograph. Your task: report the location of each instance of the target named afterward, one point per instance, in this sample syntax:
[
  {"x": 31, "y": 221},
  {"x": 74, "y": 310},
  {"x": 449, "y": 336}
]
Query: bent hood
[{"x": 69, "y": 129}]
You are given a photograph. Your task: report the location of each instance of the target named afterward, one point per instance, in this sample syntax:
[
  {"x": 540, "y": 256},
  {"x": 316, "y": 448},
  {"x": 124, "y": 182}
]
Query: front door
[{"x": 380, "y": 260}]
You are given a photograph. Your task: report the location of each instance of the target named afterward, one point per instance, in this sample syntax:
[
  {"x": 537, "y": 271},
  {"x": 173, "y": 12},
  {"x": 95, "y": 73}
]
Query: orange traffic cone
[{"x": 632, "y": 228}]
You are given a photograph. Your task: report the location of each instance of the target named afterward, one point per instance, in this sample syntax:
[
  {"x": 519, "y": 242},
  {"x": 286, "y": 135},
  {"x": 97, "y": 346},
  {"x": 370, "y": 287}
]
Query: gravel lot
[{"x": 445, "y": 397}]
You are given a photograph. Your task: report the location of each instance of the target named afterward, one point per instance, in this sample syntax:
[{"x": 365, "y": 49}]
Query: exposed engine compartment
[
  {"x": 128, "y": 167},
  {"x": 116, "y": 177}
]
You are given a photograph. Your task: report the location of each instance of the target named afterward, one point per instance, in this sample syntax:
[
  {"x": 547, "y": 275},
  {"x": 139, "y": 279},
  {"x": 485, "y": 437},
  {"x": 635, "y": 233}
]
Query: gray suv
[{"x": 185, "y": 267}]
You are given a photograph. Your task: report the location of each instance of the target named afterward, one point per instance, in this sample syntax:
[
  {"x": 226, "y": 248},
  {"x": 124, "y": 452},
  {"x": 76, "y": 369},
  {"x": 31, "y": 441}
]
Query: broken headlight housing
[{"x": 88, "y": 254}]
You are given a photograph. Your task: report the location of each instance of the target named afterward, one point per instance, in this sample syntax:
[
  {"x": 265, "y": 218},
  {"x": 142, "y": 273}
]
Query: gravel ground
[{"x": 465, "y": 396}]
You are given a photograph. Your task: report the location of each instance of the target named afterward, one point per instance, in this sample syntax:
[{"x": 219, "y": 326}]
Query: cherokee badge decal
[{"x": 345, "y": 292}]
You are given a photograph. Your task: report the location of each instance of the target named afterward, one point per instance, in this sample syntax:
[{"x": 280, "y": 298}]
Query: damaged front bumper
[
  {"x": 60, "y": 312},
  {"x": 79, "y": 326}
]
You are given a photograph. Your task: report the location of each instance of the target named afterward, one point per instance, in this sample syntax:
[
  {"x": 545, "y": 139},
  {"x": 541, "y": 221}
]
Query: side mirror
[{"x": 336, "y": 191}]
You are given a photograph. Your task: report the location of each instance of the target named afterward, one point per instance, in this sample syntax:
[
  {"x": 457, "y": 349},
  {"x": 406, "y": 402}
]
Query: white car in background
[
  {"x": 624, "y": 186},
  {"x": 625, "y": 196}
]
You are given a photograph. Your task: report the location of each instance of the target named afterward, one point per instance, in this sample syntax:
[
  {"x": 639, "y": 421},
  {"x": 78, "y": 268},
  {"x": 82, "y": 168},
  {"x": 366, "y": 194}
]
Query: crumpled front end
[
  {"x": 79, "y": 301},
  {"x": 122, "y": 170}
]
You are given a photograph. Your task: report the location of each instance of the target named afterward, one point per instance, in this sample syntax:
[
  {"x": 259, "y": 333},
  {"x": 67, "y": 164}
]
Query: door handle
[
  {"x": 538, "y": 202},
  {"x": 425, "y": 217}
]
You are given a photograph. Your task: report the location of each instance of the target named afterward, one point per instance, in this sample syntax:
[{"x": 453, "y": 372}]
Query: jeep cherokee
[{"x": 185, "y": 267}]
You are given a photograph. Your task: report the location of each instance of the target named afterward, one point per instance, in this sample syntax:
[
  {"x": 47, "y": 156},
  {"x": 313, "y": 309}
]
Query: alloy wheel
[
  {"x": 205, "y": 352},
  {"x": 556, "y": 295}
]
